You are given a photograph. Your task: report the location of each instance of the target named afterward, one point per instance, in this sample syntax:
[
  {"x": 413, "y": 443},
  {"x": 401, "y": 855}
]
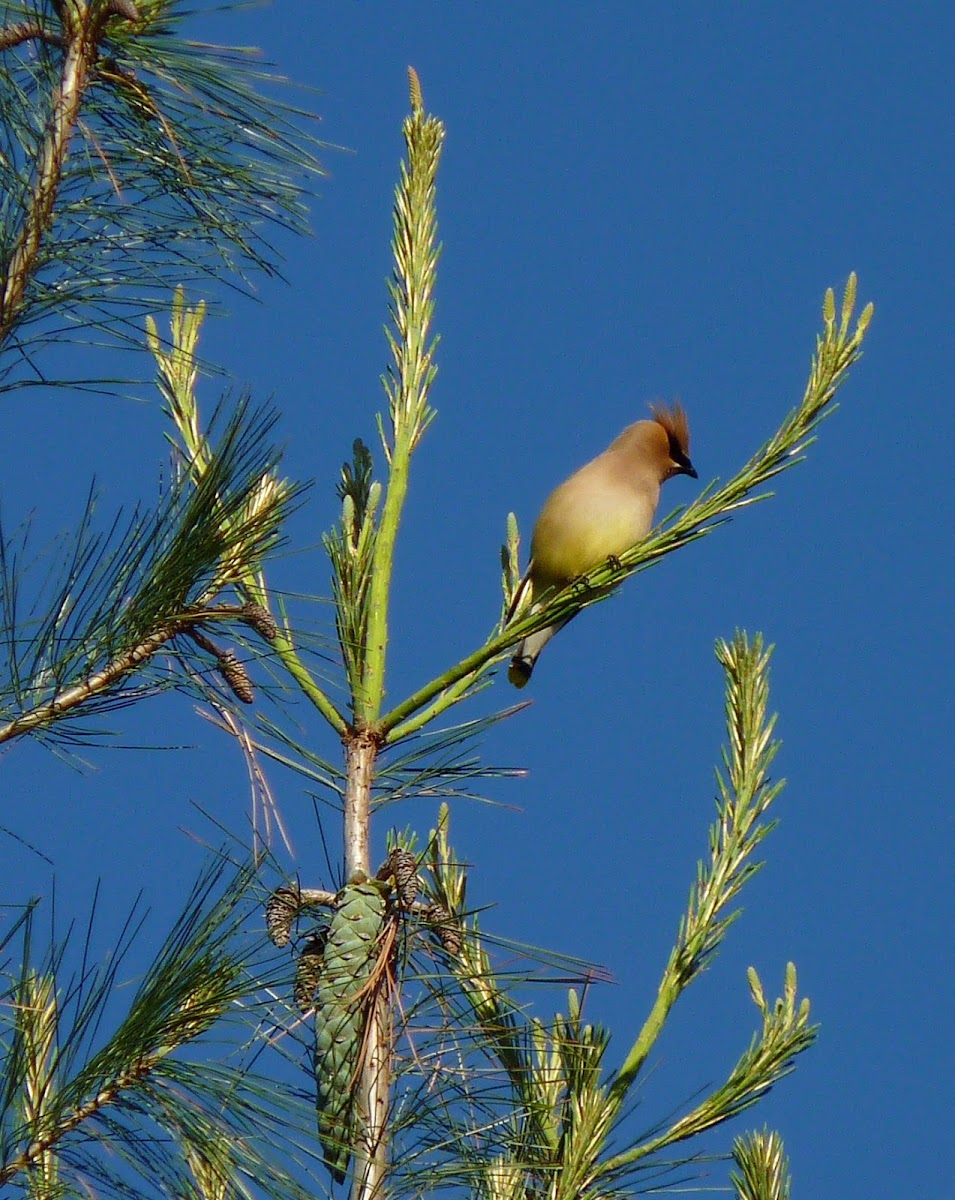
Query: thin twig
[
  {"x": 67, "y": 100},
  {"x": 25, "y": 31},
  {"x": 26, "y": 1158},
  {"x": 115, "y": 670}
]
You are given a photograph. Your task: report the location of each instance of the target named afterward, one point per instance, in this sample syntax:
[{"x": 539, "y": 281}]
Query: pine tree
[{"x": 427, "y": 1072}]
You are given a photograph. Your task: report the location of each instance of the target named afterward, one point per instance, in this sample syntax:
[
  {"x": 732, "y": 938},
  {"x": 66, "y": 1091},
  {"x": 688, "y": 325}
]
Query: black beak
[{"x": 687, "y": 468}]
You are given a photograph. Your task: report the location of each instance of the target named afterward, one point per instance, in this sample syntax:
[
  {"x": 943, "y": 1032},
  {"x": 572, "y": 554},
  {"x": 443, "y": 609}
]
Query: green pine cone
[{"x": 350, "y": 955}]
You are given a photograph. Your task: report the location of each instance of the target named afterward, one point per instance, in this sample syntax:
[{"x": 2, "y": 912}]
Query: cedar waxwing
[{"x": 602, "y": 510}]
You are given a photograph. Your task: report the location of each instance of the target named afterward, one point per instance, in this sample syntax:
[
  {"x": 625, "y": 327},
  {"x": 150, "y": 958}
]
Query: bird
[{"x": 597, "y": 514}]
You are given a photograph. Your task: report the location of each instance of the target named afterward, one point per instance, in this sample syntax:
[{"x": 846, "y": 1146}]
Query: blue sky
[{"x": 635, "y": 202}]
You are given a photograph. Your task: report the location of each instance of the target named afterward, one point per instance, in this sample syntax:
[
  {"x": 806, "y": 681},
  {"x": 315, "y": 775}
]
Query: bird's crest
[{"x": 675, "y": 423}]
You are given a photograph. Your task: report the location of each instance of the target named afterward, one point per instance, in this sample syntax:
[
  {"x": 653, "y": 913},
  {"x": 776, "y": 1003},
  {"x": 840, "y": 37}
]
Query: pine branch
[
  {"x": 550, "y": 1133},
  {"x": 72, "y": 1115},
  {"x": 409, "y": 380},
  {"x": 837, "y": 349},
  {"x": 79, "y": 47},
  {"x": 351, "y": 548},
  {"x": 744, "y": 800},
  {"x": 27, "y": 31},
  {"x": 771, "y": 1055},
  {"x": 177, "y": 364},
  {"x": 63, "y": 704},
  {"x": 115, "y": 607},
  {"x": 159, "y": 156},
  {"x": 763, "y": 1167}
]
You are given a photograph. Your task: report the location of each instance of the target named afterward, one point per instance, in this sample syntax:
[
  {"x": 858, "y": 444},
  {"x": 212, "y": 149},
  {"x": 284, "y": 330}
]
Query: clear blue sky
[{"x": 635, "y": 202}]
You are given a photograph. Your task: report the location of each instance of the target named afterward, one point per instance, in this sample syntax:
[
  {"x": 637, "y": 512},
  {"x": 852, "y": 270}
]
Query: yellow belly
[{"x": 576, "y": 532}]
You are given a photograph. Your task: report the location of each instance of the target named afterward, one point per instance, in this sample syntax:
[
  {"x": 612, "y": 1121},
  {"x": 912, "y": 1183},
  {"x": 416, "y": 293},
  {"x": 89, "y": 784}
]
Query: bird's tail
[
  {"x": 526, "y": 655},
  {"x": 520, "y": 670}
]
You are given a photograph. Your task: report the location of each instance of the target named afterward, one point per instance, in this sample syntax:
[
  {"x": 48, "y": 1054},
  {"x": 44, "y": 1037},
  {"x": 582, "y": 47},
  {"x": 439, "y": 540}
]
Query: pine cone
[
  {"x": 308, "y": 971},
  {"x": 236, "y": 676},
  {"x": 444, "y": 925},
  {"x": 281, "y": 908},
  {"x": 340, "y": 1013},
  {"x": 404, "y": 869},
  {"x": 261, "y": 620}
]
